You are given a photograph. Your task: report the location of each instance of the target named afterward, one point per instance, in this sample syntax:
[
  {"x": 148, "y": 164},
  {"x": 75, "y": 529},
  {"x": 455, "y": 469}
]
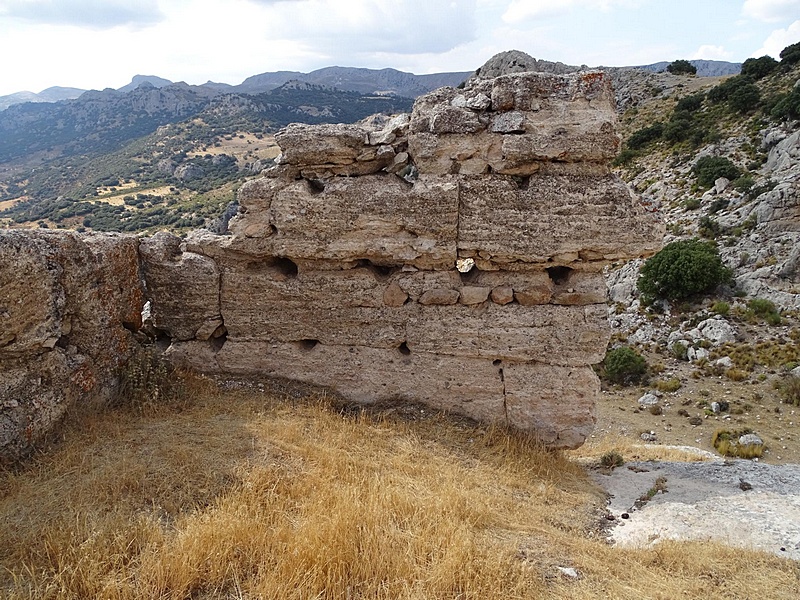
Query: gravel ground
[{"x": 738, "y": 502}]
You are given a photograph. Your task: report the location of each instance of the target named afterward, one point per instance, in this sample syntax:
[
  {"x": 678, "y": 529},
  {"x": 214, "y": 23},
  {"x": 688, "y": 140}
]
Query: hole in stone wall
[
  {"x": 286, "y": 266},
  {"x": 497, "y": 362},
  {"x": 316, "y": 186},
  {"x": 522, "y": 182},
  {"x": 470, "y": 276},
  {"x": 559, "y": 275},
  {"x": 380, "y": 272},
  {"x": 404, "y": 349},
  {"x": 308, "y": 344},
  {"x": 132, "y": 327},
  {"x": 218, "y": 342},
  {"x": 63, "y": 342},
  {"x": 272, "y": 229}
]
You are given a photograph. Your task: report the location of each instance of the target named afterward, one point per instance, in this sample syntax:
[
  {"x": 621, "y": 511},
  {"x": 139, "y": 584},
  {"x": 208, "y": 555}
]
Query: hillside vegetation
[{"x": 150, "y": 159}]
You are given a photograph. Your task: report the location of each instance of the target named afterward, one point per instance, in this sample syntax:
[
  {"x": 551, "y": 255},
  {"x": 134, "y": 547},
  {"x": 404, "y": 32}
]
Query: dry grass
[
  {"x": 633, "y": 450},
  {"x": 246, "y": 495}
]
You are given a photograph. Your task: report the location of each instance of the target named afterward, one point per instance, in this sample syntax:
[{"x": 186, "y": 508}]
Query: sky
[{"x": 95, "y": 44}]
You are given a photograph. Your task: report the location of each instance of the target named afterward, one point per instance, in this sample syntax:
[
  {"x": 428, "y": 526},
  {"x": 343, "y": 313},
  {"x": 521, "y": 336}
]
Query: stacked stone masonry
[{"x": 451, "y": 257}]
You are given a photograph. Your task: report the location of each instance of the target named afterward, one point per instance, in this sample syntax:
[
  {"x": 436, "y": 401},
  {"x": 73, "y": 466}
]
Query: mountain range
[{"x": 365, "y": 81}]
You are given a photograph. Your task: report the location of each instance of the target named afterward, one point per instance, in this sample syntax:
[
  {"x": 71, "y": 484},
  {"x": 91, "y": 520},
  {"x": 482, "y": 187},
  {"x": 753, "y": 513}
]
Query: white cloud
[
  {"x": 708, "y": 52},
  {"x": 771, "y": 11},
  {"x": 359, "y": 27},
  {"x": 519, "y": 11},
  {"x": 96, "y": 14},
  {"x": 778, "y": 40}
]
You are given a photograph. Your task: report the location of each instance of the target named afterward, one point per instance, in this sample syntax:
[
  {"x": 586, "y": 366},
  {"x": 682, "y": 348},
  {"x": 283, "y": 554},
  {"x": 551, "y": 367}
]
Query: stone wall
[
  {"x": 68, "y": 306},
  {"x": 451, "y": 257}
]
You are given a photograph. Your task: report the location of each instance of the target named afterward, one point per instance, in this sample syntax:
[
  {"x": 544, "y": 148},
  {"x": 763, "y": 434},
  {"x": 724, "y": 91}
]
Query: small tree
[
  {"x": 744, "y": 98},
  {"x": 624, "y": 366},
  {"x": 791, "y": 54},
  {"x": 682, "y": 269},
  {"x": 682, "y": 67},
  {"x": 708, "y": 169},
  {"x": 757, "y": 68}
]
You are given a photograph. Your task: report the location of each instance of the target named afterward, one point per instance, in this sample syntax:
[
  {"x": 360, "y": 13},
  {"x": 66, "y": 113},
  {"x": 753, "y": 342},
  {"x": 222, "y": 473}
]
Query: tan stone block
[
  {"x": 471, "y": 294},
  {"x": 558, "y": 403}
]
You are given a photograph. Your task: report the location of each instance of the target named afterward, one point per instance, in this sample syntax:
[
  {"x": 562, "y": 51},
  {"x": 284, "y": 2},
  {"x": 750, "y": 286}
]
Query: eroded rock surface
[{"x": 68, "y": 306}]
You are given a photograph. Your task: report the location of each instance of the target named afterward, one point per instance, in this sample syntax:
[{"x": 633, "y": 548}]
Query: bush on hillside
[
  {"x": 682, "y": 269},
  {"x": 690, "y": 103},
  {"x": 682, "y": 67},
  {"x": 791, "y": 54},
  {"x": 787, "y": 106},
  {"x": 758, "y": 68},
  {"x": 744, "y": 98},
  {"x": 710, "y": 168},
  {"x": 624, "y": 366},
  {"x": 645, "y": 135}
]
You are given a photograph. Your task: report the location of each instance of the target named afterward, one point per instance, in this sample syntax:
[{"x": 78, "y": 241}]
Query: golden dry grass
[{"x": 249, "y": 495}]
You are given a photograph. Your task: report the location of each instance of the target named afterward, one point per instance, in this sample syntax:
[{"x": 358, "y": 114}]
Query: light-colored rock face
[
  {"x": 451, "y": 257},
  {"x": 68, "y": 304}
]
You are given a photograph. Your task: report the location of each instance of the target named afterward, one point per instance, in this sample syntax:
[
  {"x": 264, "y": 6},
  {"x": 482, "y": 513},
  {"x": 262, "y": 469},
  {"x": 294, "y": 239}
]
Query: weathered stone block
[
  {"x": 553, "y": 219},
  {"x": 376, "y": 217},
  {"x": 183, "y": 287},
  {"x": 556, "y": 403},
  {"x": 557, "y": 335}
]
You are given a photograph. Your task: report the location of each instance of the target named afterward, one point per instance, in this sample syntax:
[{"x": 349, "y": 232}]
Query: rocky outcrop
[
  {"x": 451, "y": 257},
  {"x": 68, "y": 305}
]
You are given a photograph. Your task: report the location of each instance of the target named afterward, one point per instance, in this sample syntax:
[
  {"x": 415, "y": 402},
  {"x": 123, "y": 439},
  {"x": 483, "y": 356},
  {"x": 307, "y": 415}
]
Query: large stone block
[
  {"x": 68, "y": 306},
  {"x": 556, "y": 335},
  {"x": 380, "y": 218},
  {"x": 183, "y": 288},
  {"x": 553, "y": 219},
  {"x": 470, "y": 387},
  {"x": 557, "y": 403}
]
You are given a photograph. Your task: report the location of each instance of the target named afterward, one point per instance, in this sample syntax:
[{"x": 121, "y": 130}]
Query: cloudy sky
[{"x": 94, "y": 44}]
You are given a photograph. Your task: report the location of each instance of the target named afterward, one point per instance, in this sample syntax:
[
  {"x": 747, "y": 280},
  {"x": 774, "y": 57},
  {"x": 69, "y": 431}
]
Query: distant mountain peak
[{"x": 155, "y": 81}]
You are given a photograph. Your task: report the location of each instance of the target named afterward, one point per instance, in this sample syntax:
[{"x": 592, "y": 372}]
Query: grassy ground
[{"x": 257, "y": 494}]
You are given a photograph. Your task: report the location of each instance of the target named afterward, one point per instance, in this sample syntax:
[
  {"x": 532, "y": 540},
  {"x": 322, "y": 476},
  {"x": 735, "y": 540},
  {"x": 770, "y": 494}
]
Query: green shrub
[
  {"x": 744, "y": 98},
  {"x": 679, "y": 350},
  {"x": 710, "y": 168},
  {"x": 791, "y": 54},
  {"x": 691, "y": 203},
  {"x": 721, "y": 308},
  {"x": 690, "y": 103},
  {"x": 681, "y": 67},
  {"x": 682, "y": 269},
  {"x": 765, "y": 309},
  {"x": 708, "y": 227},
  {"x": 744, "y": 184},
  {"x": 668, "y": 385},
  {"x": 758, "y": 68},
  {"x": 624, "y": 366},
  {"x": 787, "y": 106},
  {"x": 645, "y": 135}
]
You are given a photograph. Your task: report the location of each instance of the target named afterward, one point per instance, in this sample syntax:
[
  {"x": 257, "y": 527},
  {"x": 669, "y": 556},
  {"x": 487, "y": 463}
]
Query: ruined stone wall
[
  {"x": 451, "y": 257},
  {"x": 68, "y": 306}
]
